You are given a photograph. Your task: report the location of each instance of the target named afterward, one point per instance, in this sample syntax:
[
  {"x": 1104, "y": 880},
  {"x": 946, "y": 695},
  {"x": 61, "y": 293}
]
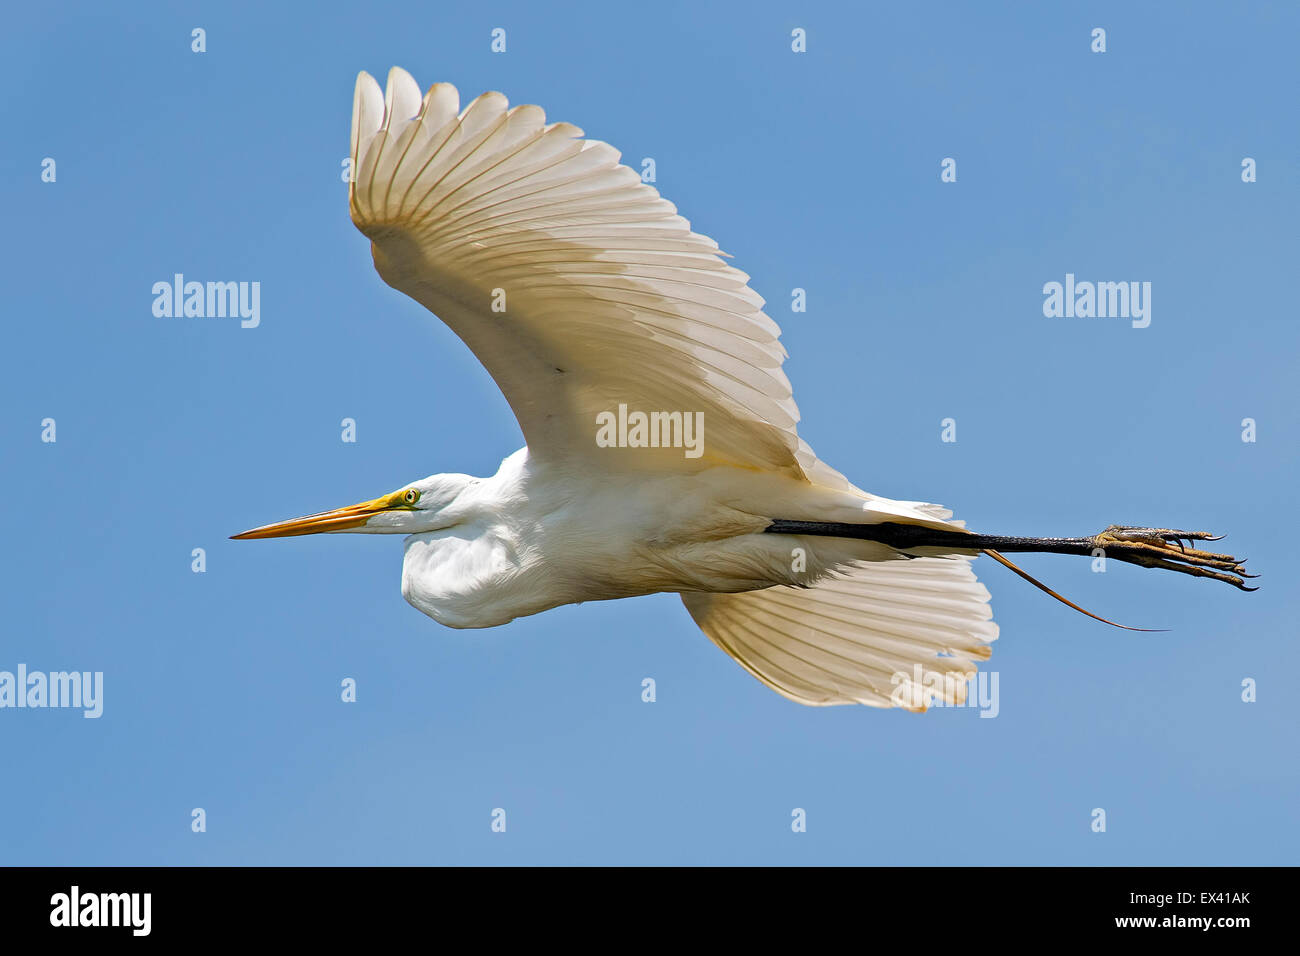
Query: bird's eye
[{"x": 411, "y": 496}]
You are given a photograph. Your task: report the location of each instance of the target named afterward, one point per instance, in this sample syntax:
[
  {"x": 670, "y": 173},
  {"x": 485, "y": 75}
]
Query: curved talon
[{"x": 1171, "y": 549}]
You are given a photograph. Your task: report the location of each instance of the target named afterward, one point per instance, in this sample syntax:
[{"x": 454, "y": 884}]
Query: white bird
[{"x": 661, "y": 448}]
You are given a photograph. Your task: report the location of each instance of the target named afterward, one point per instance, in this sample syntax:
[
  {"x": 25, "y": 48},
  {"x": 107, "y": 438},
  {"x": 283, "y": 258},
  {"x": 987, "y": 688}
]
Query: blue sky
[{"x": 818, "y": 170}]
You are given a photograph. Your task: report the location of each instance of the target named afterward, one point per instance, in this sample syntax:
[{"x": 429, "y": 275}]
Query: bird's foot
[{"x": 1172, "y": 550}]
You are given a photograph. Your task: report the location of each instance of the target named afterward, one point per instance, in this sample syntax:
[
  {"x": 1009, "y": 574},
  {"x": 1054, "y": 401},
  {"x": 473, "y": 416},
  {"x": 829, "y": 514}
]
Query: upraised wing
[{"x": 576, "y": 285}]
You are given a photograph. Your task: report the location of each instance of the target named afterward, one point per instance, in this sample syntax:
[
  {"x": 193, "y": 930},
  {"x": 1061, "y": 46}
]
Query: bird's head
[{"x": 431, "y": 504}]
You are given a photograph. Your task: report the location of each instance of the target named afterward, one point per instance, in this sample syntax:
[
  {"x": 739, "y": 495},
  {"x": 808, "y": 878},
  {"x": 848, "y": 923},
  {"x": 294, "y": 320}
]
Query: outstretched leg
[{"x": 1165, "y": 548}]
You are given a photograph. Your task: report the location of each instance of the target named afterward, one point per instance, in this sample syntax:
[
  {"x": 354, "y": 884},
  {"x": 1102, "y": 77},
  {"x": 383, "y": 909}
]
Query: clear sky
[{"x": 818, "y": 170}]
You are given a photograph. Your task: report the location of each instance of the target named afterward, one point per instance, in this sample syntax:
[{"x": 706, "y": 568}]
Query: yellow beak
[{"x": 340, "y": 519}]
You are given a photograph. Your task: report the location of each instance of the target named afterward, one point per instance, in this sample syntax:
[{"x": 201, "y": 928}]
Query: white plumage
[{"x": 581, "y": 290}]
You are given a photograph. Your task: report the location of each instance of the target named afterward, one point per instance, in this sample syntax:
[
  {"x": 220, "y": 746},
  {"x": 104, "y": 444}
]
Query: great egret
[{"x": 661, "y": 448}]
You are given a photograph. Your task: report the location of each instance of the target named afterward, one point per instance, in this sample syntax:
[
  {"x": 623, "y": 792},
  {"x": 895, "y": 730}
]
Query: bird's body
[
  {"x": 538, "y": 535},
  {"x": 662, "y": 453}
]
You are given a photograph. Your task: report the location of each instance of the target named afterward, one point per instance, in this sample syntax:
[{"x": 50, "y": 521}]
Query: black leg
[{"x": 1165, "y": 548}]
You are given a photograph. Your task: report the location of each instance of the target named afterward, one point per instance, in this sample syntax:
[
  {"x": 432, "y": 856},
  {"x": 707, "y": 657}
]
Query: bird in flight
[{"x": 661, "y": 448}]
